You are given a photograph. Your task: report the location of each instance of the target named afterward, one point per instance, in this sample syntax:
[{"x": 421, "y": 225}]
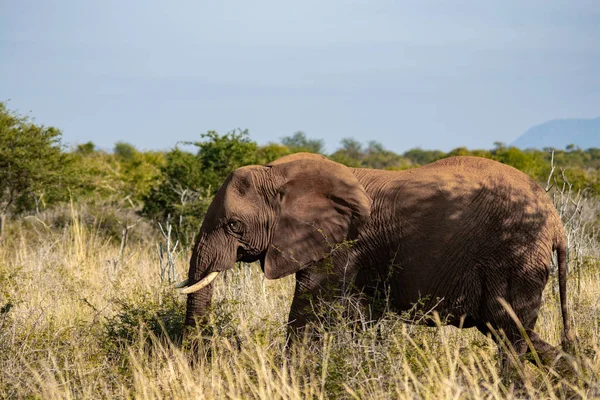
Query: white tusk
[
  {"x": 201, "y": 284},
  {"x": 182, "y": 284}
]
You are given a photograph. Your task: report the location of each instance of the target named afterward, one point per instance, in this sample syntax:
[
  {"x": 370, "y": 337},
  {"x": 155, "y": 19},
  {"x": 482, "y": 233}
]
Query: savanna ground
[{"x": 86, "y": 316}]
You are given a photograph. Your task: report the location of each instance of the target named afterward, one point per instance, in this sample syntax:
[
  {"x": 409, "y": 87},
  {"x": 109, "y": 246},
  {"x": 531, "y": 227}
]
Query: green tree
[
  {"x": 376, "y": 156},
  {"x": 354, "y": 154},
  {"x": 220, "y": 155},
  {"x": 459, "y": 151},
  {"x": 32, "y": 164},
  {"x": 532, "y": 163},
  {"x": 352, "y": 147},
  {"x": 299, "y": 142},
  {"x": 85, "y": 148},
  {"x": 137, "y": 171},
  {"x": 350, "y": 154},
  {"x": 271, "y": 152},
  {"x": 125, "y": 176},
  {"x": 125, "y": 151},
  {"x": 498, "y": 146},
  {"x": 419, "y": 156}
]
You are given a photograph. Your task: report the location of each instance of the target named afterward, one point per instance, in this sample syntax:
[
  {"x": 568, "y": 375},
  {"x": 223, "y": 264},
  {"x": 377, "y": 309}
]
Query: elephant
[{"x": 469, "y": 237}]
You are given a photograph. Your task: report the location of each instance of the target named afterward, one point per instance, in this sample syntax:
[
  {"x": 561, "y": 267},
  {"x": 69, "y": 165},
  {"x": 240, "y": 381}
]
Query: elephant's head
[{"x": 288, "y": 214}]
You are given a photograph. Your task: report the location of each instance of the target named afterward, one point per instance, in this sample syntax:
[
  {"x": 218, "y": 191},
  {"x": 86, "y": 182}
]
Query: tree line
[{"x": 38, "y": 171}]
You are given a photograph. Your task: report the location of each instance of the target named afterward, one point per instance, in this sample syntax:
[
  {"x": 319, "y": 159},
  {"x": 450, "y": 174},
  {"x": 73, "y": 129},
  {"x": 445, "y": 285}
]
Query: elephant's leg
[
  {"x": 515, "y": 319},
  {"x": 511, "y": 346},
  {"x": 526, "y": 300},
  {"x": 317, "y": 289},
  {"x": 302, "y": 305},
  {"x": 374, "y": 296}
]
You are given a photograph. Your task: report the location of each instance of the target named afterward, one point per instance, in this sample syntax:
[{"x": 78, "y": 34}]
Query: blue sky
[{"x": 434, "y": 74}]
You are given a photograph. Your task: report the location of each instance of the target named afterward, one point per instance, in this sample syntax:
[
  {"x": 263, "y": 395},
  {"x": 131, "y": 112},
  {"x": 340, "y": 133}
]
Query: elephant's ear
[{"x": 319, "y": 204}]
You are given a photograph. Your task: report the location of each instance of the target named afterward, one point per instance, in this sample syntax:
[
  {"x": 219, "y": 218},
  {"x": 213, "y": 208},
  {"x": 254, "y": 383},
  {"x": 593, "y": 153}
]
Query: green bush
[{"x": 140, "y": 321}]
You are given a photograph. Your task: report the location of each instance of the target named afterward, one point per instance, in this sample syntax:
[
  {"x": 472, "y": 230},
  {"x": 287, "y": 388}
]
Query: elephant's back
[
  {"x": 477, "y": 170},
  {"x": 461, "y": 195},
  {"x": 476, "y": 187},
  {"x": 472, "y": 178}
]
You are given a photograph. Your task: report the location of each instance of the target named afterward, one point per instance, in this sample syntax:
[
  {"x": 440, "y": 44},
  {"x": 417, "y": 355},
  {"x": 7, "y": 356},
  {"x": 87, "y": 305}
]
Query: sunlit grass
[{"x": 71, "y": 307}]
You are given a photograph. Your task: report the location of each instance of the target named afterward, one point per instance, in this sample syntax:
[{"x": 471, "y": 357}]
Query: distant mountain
[{"x": 559, "y": 133}]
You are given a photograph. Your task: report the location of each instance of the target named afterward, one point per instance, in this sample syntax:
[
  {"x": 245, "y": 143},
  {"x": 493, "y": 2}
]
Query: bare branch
[{"x": 552, "y": 168}]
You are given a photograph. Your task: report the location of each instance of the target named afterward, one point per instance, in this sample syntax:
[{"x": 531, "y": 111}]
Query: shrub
[{"x": 161, "y": 317}]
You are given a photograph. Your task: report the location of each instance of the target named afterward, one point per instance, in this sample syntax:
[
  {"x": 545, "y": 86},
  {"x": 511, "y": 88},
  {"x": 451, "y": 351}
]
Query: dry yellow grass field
[{"x": 81, "y": 319}]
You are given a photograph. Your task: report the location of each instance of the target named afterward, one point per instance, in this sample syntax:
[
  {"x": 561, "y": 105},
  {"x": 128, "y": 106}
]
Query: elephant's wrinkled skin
[{"x": 467, "y": 234}]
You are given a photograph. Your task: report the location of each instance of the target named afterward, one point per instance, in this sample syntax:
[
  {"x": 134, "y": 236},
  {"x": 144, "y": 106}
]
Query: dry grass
[{"x": 70, "y": 328}]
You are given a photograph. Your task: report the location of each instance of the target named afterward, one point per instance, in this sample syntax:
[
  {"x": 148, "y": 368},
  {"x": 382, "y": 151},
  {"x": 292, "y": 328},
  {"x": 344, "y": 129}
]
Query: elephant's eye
[{"x": 235, "y": 226}]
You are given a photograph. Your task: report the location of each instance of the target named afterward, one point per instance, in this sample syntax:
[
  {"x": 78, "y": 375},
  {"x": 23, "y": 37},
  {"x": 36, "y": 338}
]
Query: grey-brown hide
[{"x": 467, "y": 235}]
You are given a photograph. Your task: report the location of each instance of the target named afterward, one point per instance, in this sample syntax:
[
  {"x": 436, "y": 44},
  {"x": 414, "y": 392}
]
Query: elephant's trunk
[
  {"x": 198, "y": 304},
  {"x": 198, "y": 301}
]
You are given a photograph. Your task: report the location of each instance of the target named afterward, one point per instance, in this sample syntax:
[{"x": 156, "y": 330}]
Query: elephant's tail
[{"x": 561, "y": 253}]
